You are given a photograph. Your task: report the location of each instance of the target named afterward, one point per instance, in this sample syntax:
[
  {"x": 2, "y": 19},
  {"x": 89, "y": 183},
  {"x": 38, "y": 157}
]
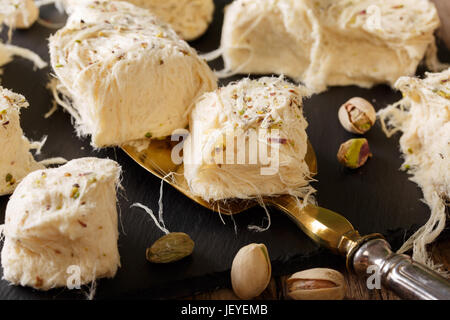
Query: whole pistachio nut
[
  {"x": 357, "y": 115},
  {"x": 251, "y": 271},
  {"x": 316, "y": 284},
  {"x": 354, "y": 153},
  {"x": 170, "y": 248}
]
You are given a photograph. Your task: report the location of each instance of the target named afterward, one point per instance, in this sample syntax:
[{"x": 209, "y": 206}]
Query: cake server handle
[
  {"x": 366, "y": 255},
  {"x": 398, "y": 272}
]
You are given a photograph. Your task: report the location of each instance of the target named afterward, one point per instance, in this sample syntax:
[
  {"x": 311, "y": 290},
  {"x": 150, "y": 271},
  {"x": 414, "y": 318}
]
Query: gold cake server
[{"x": 370, "y": 253}]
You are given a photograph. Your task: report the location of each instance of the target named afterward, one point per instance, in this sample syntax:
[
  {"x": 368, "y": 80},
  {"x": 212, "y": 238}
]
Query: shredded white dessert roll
[
  {"x": 248, "y": 140},
  {"x": 189, "y": 18},
  {"x": 423, "y": 117},
  {"x": 61, "y": 223},
  {"x": 16, "y": 161},
  {"x": 328, "y": 42},
  {"x": 19, "y": 14},
  {"x": 127, "y": 75}
]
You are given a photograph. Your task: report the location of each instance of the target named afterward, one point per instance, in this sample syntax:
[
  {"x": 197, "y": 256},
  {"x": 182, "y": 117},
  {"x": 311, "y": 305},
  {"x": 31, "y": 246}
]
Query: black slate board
[{"x": 376, "y": 198}]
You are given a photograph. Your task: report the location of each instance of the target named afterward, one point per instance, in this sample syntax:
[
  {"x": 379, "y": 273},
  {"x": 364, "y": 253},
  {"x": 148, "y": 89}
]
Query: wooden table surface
[{"x": 356, "y": 288}]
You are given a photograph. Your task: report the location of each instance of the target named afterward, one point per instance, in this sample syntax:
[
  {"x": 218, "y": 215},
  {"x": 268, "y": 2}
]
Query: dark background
[{"x": 375, "y": 198}]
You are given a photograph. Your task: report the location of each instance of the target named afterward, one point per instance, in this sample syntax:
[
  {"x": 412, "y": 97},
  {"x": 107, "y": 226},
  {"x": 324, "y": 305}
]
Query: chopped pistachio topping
[
  {"x": 443, "y": 94},
  {"x": 10, "y": 179},
  {"x": 75, "y": 193}
]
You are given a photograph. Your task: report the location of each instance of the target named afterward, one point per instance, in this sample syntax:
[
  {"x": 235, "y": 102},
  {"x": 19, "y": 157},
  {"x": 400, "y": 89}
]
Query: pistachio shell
[
  {"x": 170, "y": 248},
  {"x": 251, "y": 271},
  {"x": 316, "y": 284},
  {"x": 357, "y": 115}
]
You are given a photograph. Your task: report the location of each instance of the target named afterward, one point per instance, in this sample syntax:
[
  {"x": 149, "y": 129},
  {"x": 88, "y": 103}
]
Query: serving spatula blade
[{"x": 157, "y": 159}]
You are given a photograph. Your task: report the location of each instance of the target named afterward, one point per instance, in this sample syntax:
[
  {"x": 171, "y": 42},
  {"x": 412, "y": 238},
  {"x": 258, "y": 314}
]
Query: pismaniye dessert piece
[
  {"x": 423, "y": 117},
  {"x": 248, "y": 140},
  {"x": 16, "y": 161},
  {"x": 19, "y": 14},
  {"x": 328, "y": 42},
  {"x": 60, "y": 222},
  {"x": 124, "y": 74},
  {"x": 189, "y": 18}
]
